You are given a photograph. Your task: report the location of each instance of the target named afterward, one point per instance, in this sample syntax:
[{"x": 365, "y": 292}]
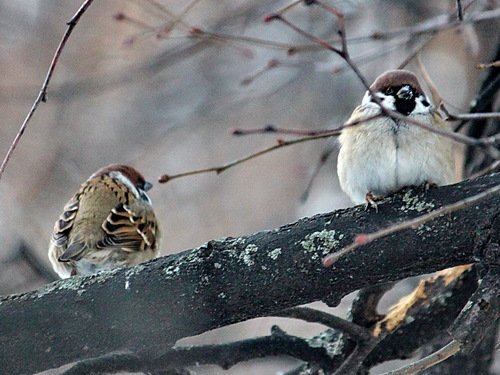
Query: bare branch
[
  {"x": 280, "y": 144},
  {"x": 228, "y": 276},
  {"x": 42, "y": 95},
  {"x": 312, "y": 135},
  {"x": 279, "y": 343},
  {"x": 356, "y": 332},
  {"x": 364, "y": 239},
  {"x": 457, "y": 137}
]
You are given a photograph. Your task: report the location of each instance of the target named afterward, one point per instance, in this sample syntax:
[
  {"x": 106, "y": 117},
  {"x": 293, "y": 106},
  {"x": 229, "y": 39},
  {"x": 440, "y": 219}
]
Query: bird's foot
[
  {"x": 430, "y": 185},
  {"x": 371, "y": 200}
]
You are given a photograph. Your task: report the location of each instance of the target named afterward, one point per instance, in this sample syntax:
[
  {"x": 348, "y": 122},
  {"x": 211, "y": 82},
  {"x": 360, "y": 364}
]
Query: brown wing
[
  {"x": 128, "y": 230},
  {"x": 65, "y": 223}
]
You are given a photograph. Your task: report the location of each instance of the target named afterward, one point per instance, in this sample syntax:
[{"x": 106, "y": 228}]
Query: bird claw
[
  {"x": 371, "y": 200},
  {"x": 429, "y": 185}
]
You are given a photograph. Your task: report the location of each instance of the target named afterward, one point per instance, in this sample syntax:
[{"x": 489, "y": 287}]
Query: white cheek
[
  {"x": 386, "y": 100},
  {"x": 419, "y": 107},
  {"x": 366, "y": 98}
]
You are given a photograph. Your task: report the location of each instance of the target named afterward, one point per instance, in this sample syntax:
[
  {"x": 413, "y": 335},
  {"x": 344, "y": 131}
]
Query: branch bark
[{"x": 147, "y": 308}]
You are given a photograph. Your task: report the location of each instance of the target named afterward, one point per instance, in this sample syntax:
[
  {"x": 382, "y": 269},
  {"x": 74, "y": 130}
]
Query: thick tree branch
[
  {"x": 224, "y": 355},
  {"x": 235, "y": 279}
]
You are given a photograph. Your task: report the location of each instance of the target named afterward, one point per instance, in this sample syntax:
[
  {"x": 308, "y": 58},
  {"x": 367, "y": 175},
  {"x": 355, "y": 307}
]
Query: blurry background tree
[{"x": 138, "y": 83}]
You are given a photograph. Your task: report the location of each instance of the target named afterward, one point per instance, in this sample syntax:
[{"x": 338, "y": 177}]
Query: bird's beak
[
  {"x": 405, "y": 92},
  {"x": 147, "y": 185}
]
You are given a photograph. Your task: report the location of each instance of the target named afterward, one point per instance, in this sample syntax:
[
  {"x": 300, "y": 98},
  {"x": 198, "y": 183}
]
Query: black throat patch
[{"x": 404, "y": 106}]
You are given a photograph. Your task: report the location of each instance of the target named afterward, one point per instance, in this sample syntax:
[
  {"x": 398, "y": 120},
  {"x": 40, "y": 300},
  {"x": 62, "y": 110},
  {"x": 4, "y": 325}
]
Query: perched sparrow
[
  {"x": 108, "y": 223},
  {"x": 382, "y": 155}
]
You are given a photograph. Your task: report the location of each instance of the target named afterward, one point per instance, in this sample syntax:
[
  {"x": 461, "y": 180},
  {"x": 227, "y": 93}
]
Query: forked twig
[
  {"x": 42, "y": 95},
  {"x": 281, "y": 143},
  {"x": 344, "y": 54},
  {"x": 364, "y": 238},
  {"x": 311, "y": 135}
]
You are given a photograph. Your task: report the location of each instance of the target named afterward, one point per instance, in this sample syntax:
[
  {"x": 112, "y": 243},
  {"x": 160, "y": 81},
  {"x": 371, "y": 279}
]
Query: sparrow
[
  {"x": 108, "y": 223},
  {"x": 382, "y": 155}
]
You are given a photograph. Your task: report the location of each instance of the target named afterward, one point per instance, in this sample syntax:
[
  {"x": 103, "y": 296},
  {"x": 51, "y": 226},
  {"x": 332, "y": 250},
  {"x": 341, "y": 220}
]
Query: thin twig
[
  {"x": 441, "y": 22},
  {"x": 393, "y": 114},
  {"x": 42, "y": 95},
  {"x": 314, "y": 38},
  {"x": 354, "y": 361},
  {"x": 311, "y": 135},
  {"x": 308, "y": 314},
  {"x": 457, "y": 137},
  {"x": 488, "y": 141},
  {"x": 473, "y": 116},
  {"x": 287, "y": 7},
  {"x": 363, "y": 238},
  {"x": 494, "y": 64},
  {"x": 179, "y": 18},
  {"x": 416, "y": 51},
  {"x": 165, "y": 178},
  {"x": 460, "y": 13},
  {"x": 437, "y": 99},
  {"x": 432, "y": 26},
  {"x": 340, "y": 21},
  {"x": 438, "y": 23},
  {"x": 493, "y": 167},
  {"x": 288, "y": 131},
  {"x": 431, "y": 360},
  {"x": 325, "y": 155}
]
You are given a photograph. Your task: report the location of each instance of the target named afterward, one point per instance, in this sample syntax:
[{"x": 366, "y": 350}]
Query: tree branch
[
  {"x": 223, "y": 355},
  {"x": 147, "y": 308}
]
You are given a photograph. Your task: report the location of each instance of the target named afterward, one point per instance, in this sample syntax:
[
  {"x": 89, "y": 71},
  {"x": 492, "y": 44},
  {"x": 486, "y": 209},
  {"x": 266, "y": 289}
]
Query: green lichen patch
[
  {"x": 321, "y": 242},
  {"x": 274, "y": 254},
  {"x": 172, "y": 270},
  {"x": 415, "y": 203},
  {"x": 247, "y": 255}
]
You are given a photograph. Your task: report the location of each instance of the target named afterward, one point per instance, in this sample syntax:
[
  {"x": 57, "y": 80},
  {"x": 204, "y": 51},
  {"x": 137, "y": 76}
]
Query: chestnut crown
[
  {"x": 127, "y": 171},
  {"x": 396, "y": 78}
]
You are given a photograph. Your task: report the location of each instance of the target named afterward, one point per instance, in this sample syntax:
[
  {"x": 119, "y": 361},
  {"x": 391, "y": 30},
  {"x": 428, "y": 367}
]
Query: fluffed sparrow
[
  {"x": 382, "y": 155},
  {"x": 108, "y": 223}
]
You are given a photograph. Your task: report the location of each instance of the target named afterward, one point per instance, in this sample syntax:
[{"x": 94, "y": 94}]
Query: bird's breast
[{"x": 383, "y": 155}]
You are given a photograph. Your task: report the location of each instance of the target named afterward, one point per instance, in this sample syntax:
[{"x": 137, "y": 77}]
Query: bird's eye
[{"x": 389, "y": 91}]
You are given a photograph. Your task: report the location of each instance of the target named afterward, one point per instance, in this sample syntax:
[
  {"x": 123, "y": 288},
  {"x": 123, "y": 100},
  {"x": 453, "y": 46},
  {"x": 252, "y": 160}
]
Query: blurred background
[{"x": 135, "y": 85}]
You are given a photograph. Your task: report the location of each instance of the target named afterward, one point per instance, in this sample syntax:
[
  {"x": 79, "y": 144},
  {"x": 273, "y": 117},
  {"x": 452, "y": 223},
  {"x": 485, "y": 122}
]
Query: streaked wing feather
[
  {"x": 65, "y": 222},
  {"x": 126, "y": 230}
]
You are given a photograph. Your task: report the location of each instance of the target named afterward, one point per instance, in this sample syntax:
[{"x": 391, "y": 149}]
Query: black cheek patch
[
  {"x": 425, "y": 103},
  {"x": 373, "y": 100}
]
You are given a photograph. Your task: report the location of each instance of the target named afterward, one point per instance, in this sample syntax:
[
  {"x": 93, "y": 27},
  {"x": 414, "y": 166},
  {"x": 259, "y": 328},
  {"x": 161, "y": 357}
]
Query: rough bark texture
[{"x": 147, "y": 308}]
